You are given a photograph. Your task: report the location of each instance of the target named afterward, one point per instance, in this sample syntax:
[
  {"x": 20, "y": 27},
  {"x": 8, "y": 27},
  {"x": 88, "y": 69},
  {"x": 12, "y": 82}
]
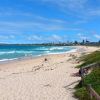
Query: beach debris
[
  {"x": 52, "y": 69},
  {"x": 37, "y": 68},
  {"x": 61, "y": 62},
  {"x": 45, "y": 59},
  {"x": 47, "y": 85}
]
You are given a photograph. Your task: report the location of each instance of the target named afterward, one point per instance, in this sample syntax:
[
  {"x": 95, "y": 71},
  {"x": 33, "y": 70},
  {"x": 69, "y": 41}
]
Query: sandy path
[{"x": 48, "y": 85}]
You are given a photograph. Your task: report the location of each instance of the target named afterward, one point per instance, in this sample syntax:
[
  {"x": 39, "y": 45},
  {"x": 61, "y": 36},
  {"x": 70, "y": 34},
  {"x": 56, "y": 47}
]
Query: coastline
[
  {"x": 33, "y": 57},
  {"x": 37, "y": 79},
  {"x": 76, "y": 49}
]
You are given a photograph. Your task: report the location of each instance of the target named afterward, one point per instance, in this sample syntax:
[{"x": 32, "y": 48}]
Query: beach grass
[
  {"x": 93, "y": 78},
  {"x": 90, "y": 58}
]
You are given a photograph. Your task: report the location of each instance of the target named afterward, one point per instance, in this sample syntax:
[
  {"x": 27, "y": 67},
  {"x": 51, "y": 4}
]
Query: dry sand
[{"x": 37, "y": 79}]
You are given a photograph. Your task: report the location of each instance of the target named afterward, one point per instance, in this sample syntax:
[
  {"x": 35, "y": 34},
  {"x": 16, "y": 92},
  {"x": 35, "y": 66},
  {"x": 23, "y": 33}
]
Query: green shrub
[
  {"x": 93, "y": 78},
  {"x": 90, "y": 58}
]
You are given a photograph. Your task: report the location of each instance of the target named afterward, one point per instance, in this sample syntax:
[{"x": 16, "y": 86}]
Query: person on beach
[
  {"x": 81, "y": 72},
  {"x": 45, "y": 59}
]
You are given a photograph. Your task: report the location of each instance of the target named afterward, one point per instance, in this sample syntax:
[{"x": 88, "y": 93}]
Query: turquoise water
[{"x": 14, "y": 52}]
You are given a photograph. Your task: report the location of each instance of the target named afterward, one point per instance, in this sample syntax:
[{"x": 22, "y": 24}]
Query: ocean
[{"x": 12, "y": 52}]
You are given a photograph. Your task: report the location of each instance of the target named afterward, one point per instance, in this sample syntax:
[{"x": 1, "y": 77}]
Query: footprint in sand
[{"x": 47, "y": 85}]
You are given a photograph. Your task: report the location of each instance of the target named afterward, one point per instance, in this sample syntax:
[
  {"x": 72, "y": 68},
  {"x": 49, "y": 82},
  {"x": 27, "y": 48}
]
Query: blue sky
[{"x": 38, "y": 21}]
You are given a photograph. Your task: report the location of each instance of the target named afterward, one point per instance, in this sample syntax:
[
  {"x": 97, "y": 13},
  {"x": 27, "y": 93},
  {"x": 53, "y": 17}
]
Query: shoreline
[
  {"x": 40, "y": 79},
  {"x": 26, "y": 59},
  {"x": 76, "y": 49},
  {"x": 34, "y": 57}
]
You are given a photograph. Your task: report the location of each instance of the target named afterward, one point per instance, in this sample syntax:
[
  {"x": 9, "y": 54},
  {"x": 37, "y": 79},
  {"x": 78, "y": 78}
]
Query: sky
[{"x": 40, "y": 21}]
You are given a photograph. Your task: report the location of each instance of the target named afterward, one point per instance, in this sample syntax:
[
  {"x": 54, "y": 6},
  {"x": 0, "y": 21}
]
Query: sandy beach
[{"x": 42, "y": 78}]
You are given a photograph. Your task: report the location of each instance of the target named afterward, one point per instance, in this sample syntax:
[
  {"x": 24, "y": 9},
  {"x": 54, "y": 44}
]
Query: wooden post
[
  {"x": 82, "y": 76},
  {"x": 89, "y": 90},
  {"x": 92, "y": 92}
]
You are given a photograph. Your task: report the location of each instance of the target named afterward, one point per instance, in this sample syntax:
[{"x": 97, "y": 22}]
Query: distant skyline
[{"x": 39, "y": 21}]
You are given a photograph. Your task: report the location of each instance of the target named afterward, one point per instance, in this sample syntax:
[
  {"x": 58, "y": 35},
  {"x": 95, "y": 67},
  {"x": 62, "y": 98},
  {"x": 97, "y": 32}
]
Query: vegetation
[
  {"x": 93, "y": 78},
  {"x": 90, "y": 58}
]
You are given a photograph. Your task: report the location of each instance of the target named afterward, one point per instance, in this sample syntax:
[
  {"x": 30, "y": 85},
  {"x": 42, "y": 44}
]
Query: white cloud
[
  {"x": 68, "y": 3},
  {"x": 53, "y": 37},
  {"x": 82, "y": 36},
  {"x": 6, "y": 37},
  {"x": 42, "y": 24},
  {"x": 47, "y": 38},
  {"x": 97, "y": 36},
  {"x": 15, "y": 13},
  {"x": 94, "y": 12},
  {"x": 35, "y": 38},
  {"x": 56, "y": 37},
  {"x": 64, "y": 5},
  {"x": 78, "y": 8}
]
